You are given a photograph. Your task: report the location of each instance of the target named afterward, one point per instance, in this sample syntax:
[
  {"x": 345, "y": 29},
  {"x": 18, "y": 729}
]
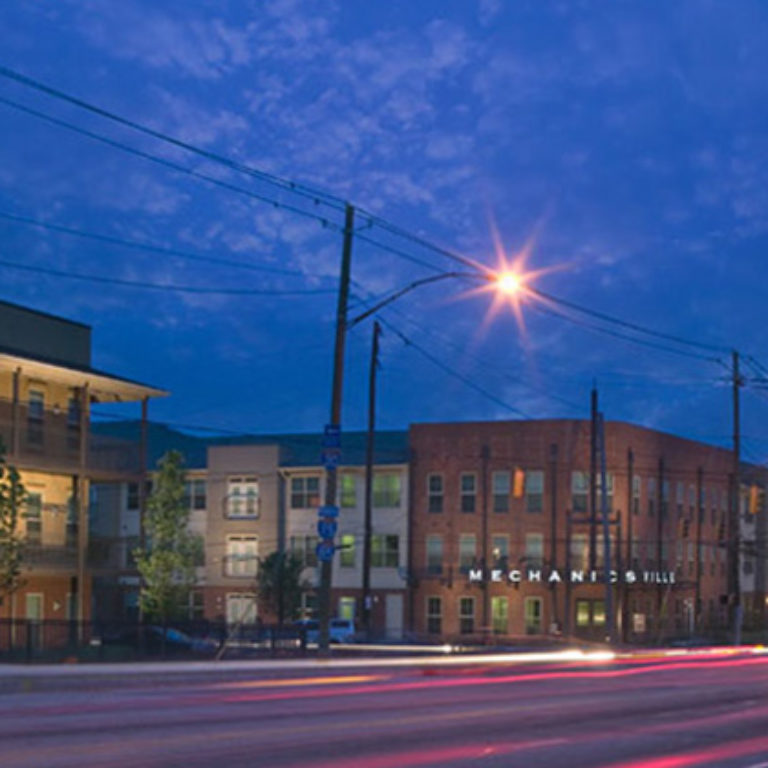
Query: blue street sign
[
  {"x": 332, "y": 436},
  {"x": 326, "y": 529},
  {"x": 325, "y": 550},
  {"x": 328, "y": 511},
  {"x": 330, "y": 457}
]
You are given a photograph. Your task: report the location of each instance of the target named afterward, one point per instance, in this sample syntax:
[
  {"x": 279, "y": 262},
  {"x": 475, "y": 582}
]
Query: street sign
[
  {"x": 328, "y": 511},
  {"x": 330, "y": 457},
  {"x": 325, "y": 550},
  {"x": 326, "y": 529},
  {"x": 332, "y": 436}
]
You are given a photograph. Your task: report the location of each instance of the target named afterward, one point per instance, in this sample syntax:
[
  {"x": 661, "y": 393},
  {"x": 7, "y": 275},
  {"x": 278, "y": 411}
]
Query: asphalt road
[{"x": 631, "y": 713}]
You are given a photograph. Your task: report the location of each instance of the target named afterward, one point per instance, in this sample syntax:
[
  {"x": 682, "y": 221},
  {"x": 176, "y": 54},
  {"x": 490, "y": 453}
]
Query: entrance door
[
  {"x": 34, "y": 616},
  {"x": 241, "y": 609},
  {"x": 500, "y": 615},
  {"x": 394, "y": 617},
  {"x": 347, "y": 608},
  {"x": 532, "y": 615}
]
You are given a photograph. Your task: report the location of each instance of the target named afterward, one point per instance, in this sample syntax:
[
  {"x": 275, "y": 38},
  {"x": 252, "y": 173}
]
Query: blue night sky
[{"x": 623, "y": 144}]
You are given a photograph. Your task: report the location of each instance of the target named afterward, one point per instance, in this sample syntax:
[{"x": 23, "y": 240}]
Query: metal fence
[{"x": 24, "y": 640}]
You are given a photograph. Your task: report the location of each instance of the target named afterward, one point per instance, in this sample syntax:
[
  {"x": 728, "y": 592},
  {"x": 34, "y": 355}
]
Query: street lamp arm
[{"x": 408, "y": 288}]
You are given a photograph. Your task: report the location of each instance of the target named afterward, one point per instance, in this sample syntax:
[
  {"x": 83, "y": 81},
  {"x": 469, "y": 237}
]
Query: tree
[
  {"x": 169, "y": 556},
  {"x": 279, "y": 584},
  {"x": 12, "y": 496}
]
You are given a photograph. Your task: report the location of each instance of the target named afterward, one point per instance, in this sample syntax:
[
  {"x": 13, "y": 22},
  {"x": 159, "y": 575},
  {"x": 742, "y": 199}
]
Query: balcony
[
  {"x": 50, "y": 439},
  {"x": 53, "y": 557}
]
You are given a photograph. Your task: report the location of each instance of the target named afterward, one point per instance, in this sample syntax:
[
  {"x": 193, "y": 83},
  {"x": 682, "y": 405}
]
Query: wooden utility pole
[
  {"x": 324, "y": 598},
  {"x": 734, "y": 522},
  {"x": 593, "y": 481},
  {"x": 369, "y": 453}
]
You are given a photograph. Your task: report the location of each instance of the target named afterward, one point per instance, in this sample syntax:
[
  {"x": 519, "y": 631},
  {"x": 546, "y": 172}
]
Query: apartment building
[
  {"x": 502, "y": 542},
  {"x": 48, "y": 389}
]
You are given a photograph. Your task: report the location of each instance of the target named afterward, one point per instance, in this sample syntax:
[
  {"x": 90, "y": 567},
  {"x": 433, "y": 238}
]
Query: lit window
[
  {"x": 386, "y": 489},
  {"x": 242, "y": 556},
  {"x": 242, "y": 497},
  {"x": 348, "y": 490},
  {"x": 347, "y": 551}
]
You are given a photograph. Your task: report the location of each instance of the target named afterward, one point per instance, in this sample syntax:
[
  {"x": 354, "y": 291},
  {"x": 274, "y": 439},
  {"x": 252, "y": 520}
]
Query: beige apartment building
[{"x": 48, "y": 389}]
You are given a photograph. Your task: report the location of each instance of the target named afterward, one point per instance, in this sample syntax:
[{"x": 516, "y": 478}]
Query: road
[{"x": 639, "y": 712}]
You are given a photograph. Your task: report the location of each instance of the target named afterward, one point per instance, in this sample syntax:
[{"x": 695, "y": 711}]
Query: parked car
[
  {"x": 339, "y": 630},
  {"x": 150, "y": 639}
]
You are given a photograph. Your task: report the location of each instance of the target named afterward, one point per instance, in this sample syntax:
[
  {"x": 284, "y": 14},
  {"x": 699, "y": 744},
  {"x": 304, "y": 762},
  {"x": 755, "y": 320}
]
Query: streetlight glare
[{"x": 509, "y": 283}]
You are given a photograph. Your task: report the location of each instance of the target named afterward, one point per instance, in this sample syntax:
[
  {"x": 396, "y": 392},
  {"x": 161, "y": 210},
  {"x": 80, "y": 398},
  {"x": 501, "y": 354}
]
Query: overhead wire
[
  {"x": 150, "y": 247},
  {"x": 450, "y": 371},
  {"x": 160, "y": 286}
]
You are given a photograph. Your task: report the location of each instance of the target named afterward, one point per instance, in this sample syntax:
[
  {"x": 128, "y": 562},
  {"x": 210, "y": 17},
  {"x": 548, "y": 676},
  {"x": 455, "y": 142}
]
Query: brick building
[{"x": 499, "y": 507}]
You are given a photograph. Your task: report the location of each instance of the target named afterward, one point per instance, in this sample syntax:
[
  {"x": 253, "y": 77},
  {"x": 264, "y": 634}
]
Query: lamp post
[{"x": 331, "y": 445}]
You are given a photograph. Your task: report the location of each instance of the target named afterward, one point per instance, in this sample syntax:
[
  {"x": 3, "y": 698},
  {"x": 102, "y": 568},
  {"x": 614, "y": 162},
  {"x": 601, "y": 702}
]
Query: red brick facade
[{"x": 511, "y": 486}]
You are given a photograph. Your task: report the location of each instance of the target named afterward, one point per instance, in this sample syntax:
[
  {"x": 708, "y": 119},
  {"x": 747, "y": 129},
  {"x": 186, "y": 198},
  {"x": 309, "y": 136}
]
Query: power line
[
  {"x": 625, "y": 324},
  {"x": 169, "y": 163},
  {"x": 159, "y": 286},
  {"x": 316, "y": 195},
  {"x": 450, "y": 371},
  {"x": 138, "y": 245},
  {"x": 616, "y": 334}
]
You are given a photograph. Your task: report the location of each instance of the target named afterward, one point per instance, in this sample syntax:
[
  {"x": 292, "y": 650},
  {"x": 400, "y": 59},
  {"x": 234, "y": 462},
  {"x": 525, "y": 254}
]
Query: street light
[{"x": 506, "y": 282}]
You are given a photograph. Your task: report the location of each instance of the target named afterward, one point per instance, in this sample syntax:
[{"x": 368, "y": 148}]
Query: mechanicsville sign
[{"x": 556, "y": 576}]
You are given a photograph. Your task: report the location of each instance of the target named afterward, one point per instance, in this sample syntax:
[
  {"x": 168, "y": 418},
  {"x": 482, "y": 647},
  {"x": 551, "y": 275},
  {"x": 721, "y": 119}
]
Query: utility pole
[
  {"x": 553, "y": 527},
  {"x": 625, "y": 607},
  {"x": 593, "y": 481},
  {"x": 734, "y": 522},
  {"x": 369, "y": 451},
  {"x": 606, "y": 534},
  {"x": 326, "y": 564},
  {"x": 699, "y": 526},
  {"x": 485, "y": 456}
]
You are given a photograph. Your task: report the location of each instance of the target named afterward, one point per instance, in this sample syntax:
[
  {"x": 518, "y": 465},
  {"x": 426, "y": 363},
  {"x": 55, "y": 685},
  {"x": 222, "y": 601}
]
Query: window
[
  {"x": 651, "y": 497},
  {"x": 242, "y": 556},
  {"x": 385, "y": 551},
  {"x": 500, "y": 485},
  {"x": 467, "y": 551},
  {"x": 532, "y": 609},
  {"x": 680, "y": 497},
  {"x": 73, "y": 421},
  {"x": 580, "y": 491},
  {"x": 582, "y": 613},
  {"x": 434, "y": 616},
  {"x": 347, "y": 490},
  {"x": 579, "y": 551},
  {"x": 435, "y": 492},
  {"x": 132, "y": 497},
  {"x": 534, "y": 490},
  {"x": 499, "y": 615},
  {"x": 534, "y": 550},
  {"x": 636, "y": 495},
  {"x": 434, "y": 554},
  {"x": 598, "y": 613},
  {"x": 194, "y": 493},
  {"x": 35, "y": 413},
  {"x": 242, "y": 497},
  {"x": 347, "y": 551},
  {"x": 195, "y": 606},
  {"x": 466, "y": 615},
  {"x": 386, "y": 489},
  {"x": 500, "y": 551},
  {"x": 305, "y": 492},
  {"x": 72, "y": 527},
  {"x": 34, "y": 517},
  {"x": 304, "y": 547},
  {"x": 468, "y": 483},
  {"x": 664, "y": 498}
]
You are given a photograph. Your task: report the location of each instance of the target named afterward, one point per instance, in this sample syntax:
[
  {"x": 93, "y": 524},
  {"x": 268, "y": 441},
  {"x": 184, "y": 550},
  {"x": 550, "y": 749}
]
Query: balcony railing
[
  {"x": 50, "y": 556},
  {"x": 53, "y": 437}
]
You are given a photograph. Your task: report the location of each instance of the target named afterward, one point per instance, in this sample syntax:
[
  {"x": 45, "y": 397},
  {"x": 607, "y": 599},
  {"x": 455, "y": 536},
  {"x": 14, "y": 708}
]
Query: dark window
[{"x": 435, "y": 492}]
